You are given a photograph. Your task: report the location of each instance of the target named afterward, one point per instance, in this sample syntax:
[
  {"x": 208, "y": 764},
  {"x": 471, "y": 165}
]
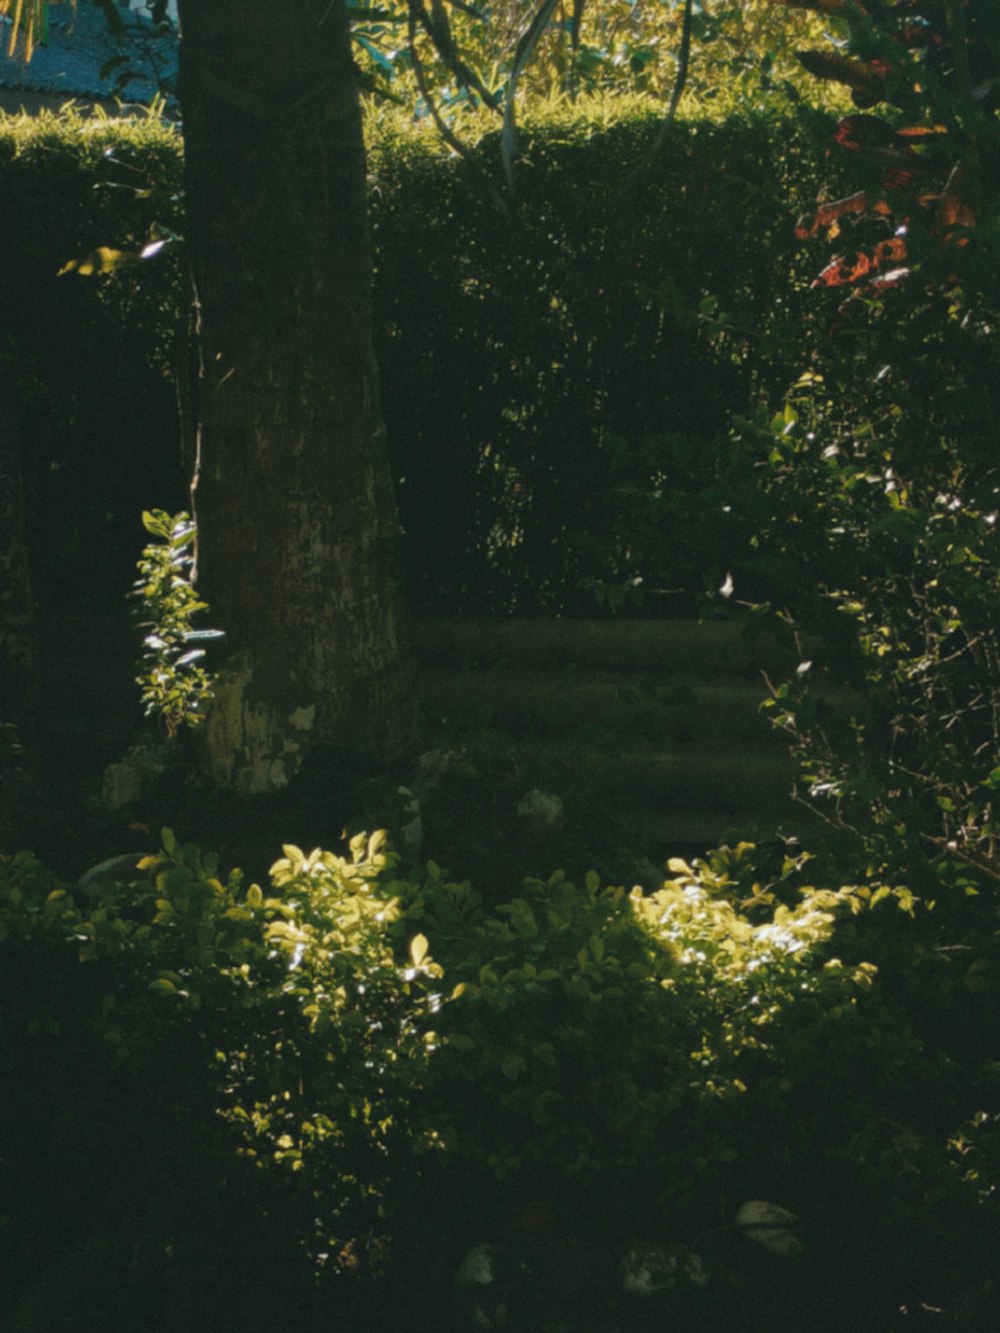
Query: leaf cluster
[{"x": 175, "y": 683}]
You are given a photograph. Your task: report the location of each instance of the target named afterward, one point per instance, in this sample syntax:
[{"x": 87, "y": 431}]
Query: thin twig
[
  {"x": 443, "y": 128},
  {"x": 683, "y": 61}
]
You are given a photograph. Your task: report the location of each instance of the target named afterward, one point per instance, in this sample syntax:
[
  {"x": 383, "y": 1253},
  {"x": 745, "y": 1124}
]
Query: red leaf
[
  {"x": 868, "y": 79},
  {"x": 844, "y": 273},
  {"x": 859, "y": 132},
  {"x": 829, "y": 215}
]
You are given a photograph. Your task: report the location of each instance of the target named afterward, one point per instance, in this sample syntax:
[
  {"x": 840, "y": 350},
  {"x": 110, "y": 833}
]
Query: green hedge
[
  {"x": 512, "y": 345},
  {"x": 87, "y": 361}
]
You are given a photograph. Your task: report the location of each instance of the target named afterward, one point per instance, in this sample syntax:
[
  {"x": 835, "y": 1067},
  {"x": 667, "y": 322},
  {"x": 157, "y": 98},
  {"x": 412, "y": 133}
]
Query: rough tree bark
[{"x": 293, "y": 492}]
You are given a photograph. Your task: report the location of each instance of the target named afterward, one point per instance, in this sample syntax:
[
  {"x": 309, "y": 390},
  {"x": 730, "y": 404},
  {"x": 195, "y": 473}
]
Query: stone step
[
  {"x": 609, "y": 704},
  {"x": 678, "y": 648},
  {"x": 663, "y": 652},
  {"x": 659, "y": 717},
  {"x": 686, "y": 832},
  {"x": 731, "y": 783}
]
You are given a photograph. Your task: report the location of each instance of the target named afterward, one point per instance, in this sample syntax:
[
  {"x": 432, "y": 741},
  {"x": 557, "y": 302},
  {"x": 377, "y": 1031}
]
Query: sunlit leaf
[
  {"x": 418, "y": 949},
  {"x": 104, "y": 259}
]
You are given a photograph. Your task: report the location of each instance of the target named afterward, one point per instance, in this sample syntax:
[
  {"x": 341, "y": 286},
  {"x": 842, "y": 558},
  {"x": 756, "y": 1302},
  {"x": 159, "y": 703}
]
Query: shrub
[
  {"x": 878, "y": 488},
  {"x": 323, "y": 1052}
]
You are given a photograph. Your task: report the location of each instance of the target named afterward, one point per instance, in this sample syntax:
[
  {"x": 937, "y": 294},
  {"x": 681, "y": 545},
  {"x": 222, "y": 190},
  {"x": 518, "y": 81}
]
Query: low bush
[{"x": 354, "y": 1069}]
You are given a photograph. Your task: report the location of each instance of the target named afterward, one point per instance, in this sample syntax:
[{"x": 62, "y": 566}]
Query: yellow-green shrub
[{"x": 347, "y": 1037}]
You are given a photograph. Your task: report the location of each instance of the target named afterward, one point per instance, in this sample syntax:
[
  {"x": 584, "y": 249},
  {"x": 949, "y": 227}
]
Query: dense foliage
[
  {"x": 446, "y": 60},
  {"x": 518, "y": 350},
  {"x": 371, "y": 1066},
  {"x": 581, "y": 320},
  {"x": 87, "y": 357},
  {"x": 860, "y": 496},
  {"x": 887, "y": 454},
  {"x": 370, "y": 1062}
]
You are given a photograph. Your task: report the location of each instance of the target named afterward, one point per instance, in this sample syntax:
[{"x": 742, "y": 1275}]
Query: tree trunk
[{"x": 293, "y": 493}]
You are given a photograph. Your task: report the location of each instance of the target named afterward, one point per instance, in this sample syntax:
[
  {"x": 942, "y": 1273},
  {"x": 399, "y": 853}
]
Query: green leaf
[
  {"x": 460, "y": 1041},
  {"x": 418, "y": 949},
  {"x": 513, "y": 1065}
]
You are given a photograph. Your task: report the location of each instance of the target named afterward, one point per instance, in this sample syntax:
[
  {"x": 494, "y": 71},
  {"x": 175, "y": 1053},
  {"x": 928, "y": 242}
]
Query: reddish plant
[{"x": 937, "y": 63}]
